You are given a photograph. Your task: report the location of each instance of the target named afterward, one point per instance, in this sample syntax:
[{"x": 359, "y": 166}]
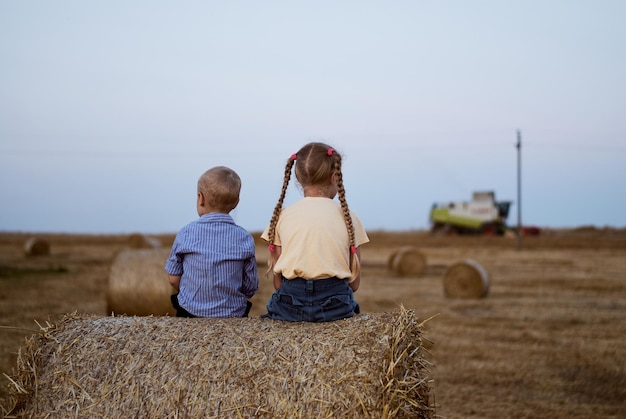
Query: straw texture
[
  {"x": 368, "y": 366},
  {"x": 138, "y": 284},
  {"x": 466, "y": 279}
]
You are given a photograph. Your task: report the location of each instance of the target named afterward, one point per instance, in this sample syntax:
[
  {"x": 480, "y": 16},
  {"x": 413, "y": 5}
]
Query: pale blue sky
[{"x": 109, "y": 111}]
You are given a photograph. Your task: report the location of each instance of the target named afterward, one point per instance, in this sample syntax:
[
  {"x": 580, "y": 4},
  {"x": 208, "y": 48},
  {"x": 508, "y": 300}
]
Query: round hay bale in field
[
  {"x": 141, "y": 241},
  {"x": 408, "y": 261},
  {"x": 367, "y": 366},
  {"x": 36, "y": 247},
  {"x": 138, "y": 283},
  {"x": 390, "y": 260},
  {"x": 466, "y": 279}
]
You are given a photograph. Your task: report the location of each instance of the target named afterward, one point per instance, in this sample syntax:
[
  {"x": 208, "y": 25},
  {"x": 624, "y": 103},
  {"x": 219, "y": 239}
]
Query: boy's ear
[
  {"x": 232, "y": 207},
  {"x": 201, "y": 199}
]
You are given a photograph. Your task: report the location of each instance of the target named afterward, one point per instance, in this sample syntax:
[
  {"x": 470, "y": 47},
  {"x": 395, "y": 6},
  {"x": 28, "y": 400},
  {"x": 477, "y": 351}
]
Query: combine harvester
[{"x": 482, "y": 215}]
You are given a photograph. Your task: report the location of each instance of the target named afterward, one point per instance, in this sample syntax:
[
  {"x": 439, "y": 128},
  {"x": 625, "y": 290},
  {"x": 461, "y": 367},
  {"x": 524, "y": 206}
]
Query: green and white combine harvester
[{"x": 482, "y": 215}]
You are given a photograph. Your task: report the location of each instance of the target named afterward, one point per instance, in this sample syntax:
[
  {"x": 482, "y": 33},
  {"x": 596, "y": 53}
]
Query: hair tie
[
  {"x": 293, "y": 156},
  {"x": 353, "y": 249},
  {"x": 330, "y": 151},
  {"x": 271, "y": 247}
]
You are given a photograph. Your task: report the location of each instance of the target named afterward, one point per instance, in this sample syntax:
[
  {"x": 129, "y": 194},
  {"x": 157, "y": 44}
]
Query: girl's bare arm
[
  {"x": 277, "y": 279},
  {"x": 354, "y": 285}
]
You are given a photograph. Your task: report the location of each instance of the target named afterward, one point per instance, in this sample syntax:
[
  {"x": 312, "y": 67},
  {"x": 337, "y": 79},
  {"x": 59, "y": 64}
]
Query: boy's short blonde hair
[{"x": 220, "y": 186}]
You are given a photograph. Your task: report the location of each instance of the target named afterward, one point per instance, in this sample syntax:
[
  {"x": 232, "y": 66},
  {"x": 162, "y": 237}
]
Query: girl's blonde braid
[
  {"x": 355, "y": 266},
  {"x": 279, "y": 206}
]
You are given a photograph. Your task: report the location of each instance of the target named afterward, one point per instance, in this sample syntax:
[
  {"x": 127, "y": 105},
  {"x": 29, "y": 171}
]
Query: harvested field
[{"x": 547, "y": 340}]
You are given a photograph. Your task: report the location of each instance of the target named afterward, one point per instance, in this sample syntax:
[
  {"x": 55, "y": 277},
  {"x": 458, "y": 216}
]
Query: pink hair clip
[
  {"x": 353, "y": 249},
  {"x": 293, "y": 156},
  {"x": 330, "y": 151},
  {"x": 271, "y": 247}
]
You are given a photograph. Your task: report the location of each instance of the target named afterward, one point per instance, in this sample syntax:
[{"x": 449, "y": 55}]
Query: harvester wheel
[
  {"x": 437, "y": 229},
  {"x": 489, "y": 229}
]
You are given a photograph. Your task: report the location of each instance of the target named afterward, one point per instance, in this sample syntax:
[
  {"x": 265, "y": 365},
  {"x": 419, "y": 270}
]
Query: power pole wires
[{"x": 519, "y": 190}]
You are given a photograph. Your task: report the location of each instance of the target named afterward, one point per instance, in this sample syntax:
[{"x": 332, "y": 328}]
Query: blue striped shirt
[{"x": 216, "y": 261}]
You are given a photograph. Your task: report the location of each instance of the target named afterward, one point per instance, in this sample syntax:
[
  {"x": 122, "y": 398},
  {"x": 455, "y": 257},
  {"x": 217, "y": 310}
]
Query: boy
[{"x": 212, "y": 265}]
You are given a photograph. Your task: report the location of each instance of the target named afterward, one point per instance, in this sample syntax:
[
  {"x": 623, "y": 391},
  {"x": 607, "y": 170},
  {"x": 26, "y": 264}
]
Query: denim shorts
[{"x": 319, "y": 300}]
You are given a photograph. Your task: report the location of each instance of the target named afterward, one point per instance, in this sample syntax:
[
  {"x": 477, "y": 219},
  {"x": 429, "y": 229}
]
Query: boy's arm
[
  {"x": 175, "y": 281},
  {"x": 250, "y": 283},
  {"x": 174, "y": 264}
]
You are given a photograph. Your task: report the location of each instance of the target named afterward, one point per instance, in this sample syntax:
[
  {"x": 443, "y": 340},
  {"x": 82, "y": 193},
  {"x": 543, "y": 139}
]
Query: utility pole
[{"x": 519, "y": 190}]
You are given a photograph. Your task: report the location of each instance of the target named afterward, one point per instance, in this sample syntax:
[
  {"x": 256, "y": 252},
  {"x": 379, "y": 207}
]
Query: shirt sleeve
[
  {"x": 174, "y": 263},
  {"x": 250, "y": 283},
  {"x": 250, "y": 280},
  {"x": 266, "y": 235},
  {"x": 360, "y": 235}
]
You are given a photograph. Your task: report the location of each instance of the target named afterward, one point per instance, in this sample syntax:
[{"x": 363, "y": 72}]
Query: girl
[{"x": 314, "y": 243}]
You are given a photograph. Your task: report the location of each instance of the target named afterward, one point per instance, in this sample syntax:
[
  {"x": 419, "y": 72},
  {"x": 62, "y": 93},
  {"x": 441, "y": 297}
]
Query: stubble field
[{"x": 547, "y": 341}]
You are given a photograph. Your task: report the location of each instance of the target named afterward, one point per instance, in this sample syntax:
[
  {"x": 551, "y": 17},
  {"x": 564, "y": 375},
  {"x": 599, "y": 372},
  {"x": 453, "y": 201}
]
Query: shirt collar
[{"x": 213, "y": 217}]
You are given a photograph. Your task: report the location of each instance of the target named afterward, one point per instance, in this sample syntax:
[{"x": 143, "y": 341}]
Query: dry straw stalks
[{"x": 368, "y": 366}]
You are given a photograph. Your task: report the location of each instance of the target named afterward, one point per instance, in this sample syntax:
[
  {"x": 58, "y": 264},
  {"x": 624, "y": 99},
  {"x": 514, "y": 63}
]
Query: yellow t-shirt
[{"x": 314, "y": 240}]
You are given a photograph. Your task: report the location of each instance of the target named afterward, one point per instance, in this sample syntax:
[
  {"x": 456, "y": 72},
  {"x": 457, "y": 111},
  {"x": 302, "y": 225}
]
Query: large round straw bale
[
  {"x": 141, "y": 241},
  {"x": 368, "y": 366},
  {"x": 390, "y": 260},
  {"x": 36, "y": 247},
  {"x": 466, "y": 279},
  {"x": 408, "y": 261},
  {"x": 138, "y": 283}
]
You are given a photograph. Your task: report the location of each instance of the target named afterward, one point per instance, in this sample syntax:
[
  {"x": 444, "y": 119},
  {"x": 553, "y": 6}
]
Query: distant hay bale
[
  {"x": 466, "y": 279},
  {"x": 141, "y": 241},
  {"x": 368, "y": 366},
  {"x": 138, "y": 284},
  {"x": 407, "y": 261},
  {"x": 36, "y": 247}
]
